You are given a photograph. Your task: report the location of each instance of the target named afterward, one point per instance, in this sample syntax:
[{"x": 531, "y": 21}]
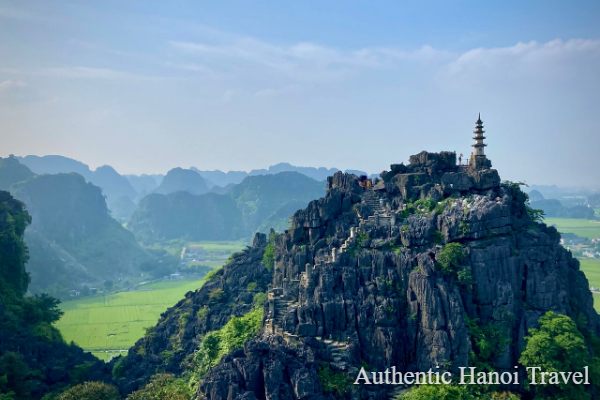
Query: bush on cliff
[
  {"x": 268, "y": 258},
  {"x": 163, "y": 387},
  {"x": 90, "y": 391},
  {"x": 454, "y": 392},
  {"x": 450, "y": 258},
  {"x": 557, "y": 345},
  {"x": 233, "y": 335}
]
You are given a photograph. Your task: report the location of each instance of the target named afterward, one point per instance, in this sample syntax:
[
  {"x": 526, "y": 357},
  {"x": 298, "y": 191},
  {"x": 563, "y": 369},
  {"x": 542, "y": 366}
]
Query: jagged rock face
[
  {"x": 171, "y": 343},
  {"x": 266, "y": 368},
  {"x": 385, "y": 296}
]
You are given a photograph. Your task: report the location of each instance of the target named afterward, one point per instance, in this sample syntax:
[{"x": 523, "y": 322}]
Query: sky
[{"x": 145, "y": 86}]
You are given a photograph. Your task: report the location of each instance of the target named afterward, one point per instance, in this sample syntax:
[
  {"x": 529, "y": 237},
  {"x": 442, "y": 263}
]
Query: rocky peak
[
  {"x": 404, "y": 271},
  {"x": 397, "y": 272}
]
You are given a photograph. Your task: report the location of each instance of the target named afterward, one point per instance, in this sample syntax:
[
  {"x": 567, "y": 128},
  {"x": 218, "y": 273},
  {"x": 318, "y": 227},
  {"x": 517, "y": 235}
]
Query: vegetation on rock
[
  {"x": 163, "y": 387},
  {"x": 450, "y": 258},
  {"x": 34, "y": 359},
  {"x": 233, "y": 335},
  {"x": 90, "y": 391},
  {"x": 558, "y": 345}
]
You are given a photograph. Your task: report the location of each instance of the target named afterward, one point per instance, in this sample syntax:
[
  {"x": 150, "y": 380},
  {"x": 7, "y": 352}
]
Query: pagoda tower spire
[
  {"x": 478, "y": 159},
  {"x": 478, "y": 146}
]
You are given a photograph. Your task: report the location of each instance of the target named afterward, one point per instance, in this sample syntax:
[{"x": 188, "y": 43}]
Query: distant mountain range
[
  {"x": 73, "y": 241},
  {"x": 257, "y": 203},
  {"x": 569, "y": 207},
  {"x": 124, "y": 191},
  {"x": 182, "y": 180}
]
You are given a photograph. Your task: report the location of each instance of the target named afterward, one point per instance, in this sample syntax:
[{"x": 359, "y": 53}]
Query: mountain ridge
[{"x": 436, "y": 264}]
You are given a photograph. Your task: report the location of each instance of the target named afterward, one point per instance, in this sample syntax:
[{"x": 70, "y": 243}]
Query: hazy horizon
[{"x": 148, "y": 87}]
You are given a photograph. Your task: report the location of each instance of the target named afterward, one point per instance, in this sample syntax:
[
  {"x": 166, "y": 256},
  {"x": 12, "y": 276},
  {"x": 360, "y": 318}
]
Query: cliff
[
  {"x": 170, "y": 345},
  {"x": 415, "y": 270}
]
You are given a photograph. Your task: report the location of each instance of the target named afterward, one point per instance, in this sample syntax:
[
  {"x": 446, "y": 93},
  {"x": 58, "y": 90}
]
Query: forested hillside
[
  {"x": 257, "y": 203},
  {"x": 34, "y": 360}
]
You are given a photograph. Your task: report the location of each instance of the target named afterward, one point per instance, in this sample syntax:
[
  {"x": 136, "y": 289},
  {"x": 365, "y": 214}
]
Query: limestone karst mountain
[
  {"x": 434, "y": 264},
  {"x": 257, "y": 203},
  {"x": 182, "y": 180},
  {"x": 34, "y": 358},
  {"x": 119, "y": 192},
  {"x": 12, "y": 171},
  {"x": 70, "y": 234}
]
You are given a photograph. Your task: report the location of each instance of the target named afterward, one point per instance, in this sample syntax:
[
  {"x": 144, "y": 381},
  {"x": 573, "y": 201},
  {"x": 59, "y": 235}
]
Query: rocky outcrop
[
  {"x": 265, "y": 368},
  {"x": 400, "y": 272},
  {"x": 169, "y": 345}
]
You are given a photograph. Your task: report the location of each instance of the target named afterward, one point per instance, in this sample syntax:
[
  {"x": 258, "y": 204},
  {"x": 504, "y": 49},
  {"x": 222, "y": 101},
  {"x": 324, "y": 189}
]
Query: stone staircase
[
  {"x": 276, "y": 320},
  {"x": 281, "y": 305},
  {"x": 380, "y": 214},
  {"x": 350, "y": 239},
  {"x": 338, "y": 351}
]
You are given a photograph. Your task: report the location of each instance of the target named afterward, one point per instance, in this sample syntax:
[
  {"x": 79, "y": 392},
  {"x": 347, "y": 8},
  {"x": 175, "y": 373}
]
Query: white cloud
[
  {"x": 304, "y": 61},
  {"x": 11, "y": 84},
  {"x": 312, "y": 62},
  {"x": 528, "y": 59},
  {"x": 80, "y": 72}
]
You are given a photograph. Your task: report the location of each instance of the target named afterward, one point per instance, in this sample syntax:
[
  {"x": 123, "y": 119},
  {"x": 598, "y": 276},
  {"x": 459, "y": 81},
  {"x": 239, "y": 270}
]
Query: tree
[
  {"x": 163, "y": 387},
  {"x": 90, "y": 391},
  {"x": 454, "y": 392},
  {"x": 557, "y": 345},
  {"x": 438, "y": 392},
  {"x": 450, "y": 258}
]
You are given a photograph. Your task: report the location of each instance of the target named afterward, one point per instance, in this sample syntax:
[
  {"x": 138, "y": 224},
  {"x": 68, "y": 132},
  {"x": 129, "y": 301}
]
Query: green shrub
[
  {"x": 438, "y": 392},
  {"x": 557, "y": 345},
  {"x": 90, "y": 391},
  {"x": 202, "y": 313},
  {"x": 441, "y": 206},
  {"x": 216, "y": 294},
  {"x": 487, "y": 341},
  {"x": 251, "y": 286},
  {"x": 362, "y": 239},
  {"x": 259, "y": 299},
  {"x": 535, "y": 214},
  {"x": 334, "y": 382},
  {"x": 454, "y": 392},
  {"x": 464, "y": 276},
  {"x": 118, "y": 369},
  {"x": 409, "y": 209},
  {"x": 233, "y": 335},
  {"x": 163, "y": 387},
  {"x": 451, "y": 256},
  {"x": 425, "y": 205},
  {"x": 268, "y": 259},
  {"x": 210, "y": 275},
  {"x": 396, "y": 249}
]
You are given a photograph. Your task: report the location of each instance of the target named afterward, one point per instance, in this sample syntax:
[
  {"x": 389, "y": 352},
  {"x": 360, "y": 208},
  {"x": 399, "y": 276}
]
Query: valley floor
[
  {"x": 589, "y": 229},
  {"x": 108, "y": 325}
]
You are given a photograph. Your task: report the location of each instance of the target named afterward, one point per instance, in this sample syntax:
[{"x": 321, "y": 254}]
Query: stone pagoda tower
[{"x": 478, "y": 160}]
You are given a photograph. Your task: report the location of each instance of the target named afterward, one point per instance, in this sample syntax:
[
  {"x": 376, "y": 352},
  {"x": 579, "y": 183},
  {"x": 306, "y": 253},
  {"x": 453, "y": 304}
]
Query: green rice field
[
  {"x": 584, "y": 228},
  {"x": 581, "y": 227},
  {"x": 591, "y": 269},
  {"x": 109, "y": 325}
]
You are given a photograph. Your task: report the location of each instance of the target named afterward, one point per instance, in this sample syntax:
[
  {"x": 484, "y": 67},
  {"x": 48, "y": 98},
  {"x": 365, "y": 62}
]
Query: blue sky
[{"x": 146, "y": 85}]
